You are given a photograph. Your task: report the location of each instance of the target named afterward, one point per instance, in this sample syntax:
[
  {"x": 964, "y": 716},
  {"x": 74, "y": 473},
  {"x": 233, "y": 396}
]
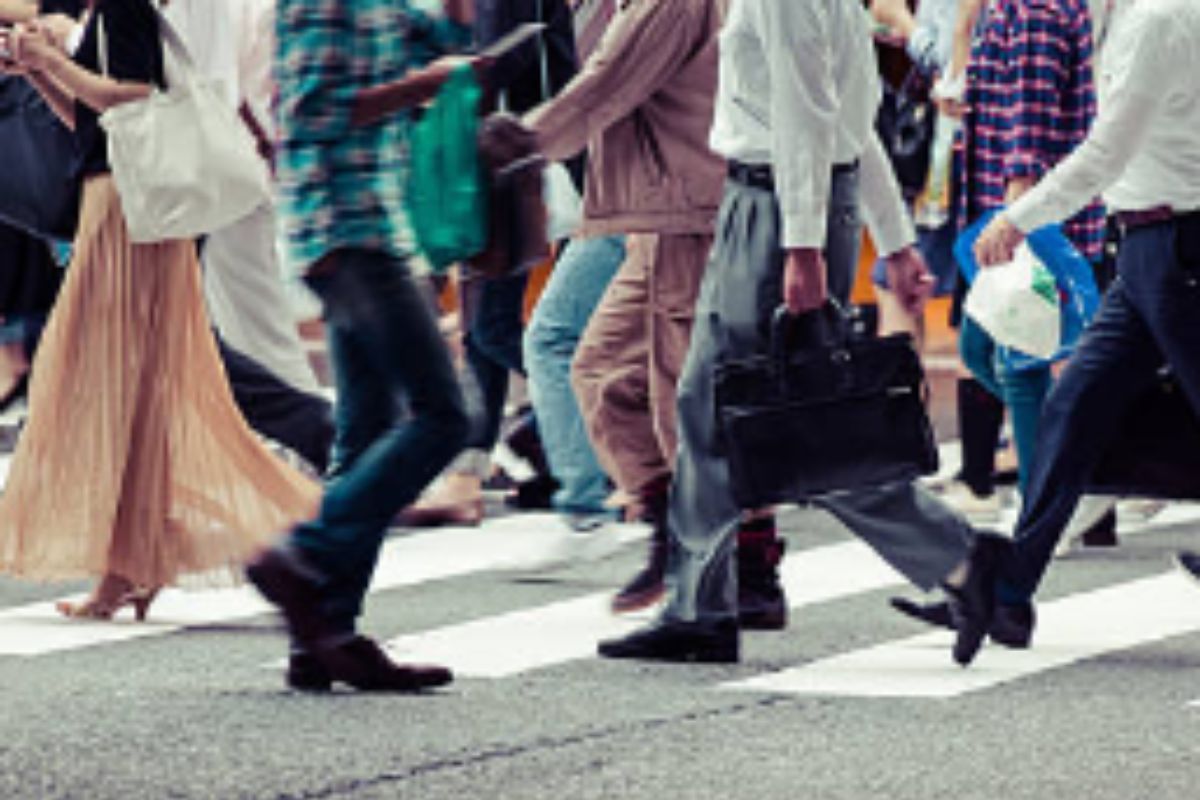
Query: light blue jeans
[{"x": 574, "y": 290}]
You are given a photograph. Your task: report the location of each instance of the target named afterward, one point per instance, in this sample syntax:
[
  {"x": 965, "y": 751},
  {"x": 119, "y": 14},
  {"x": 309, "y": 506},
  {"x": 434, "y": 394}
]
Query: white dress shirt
[
  {"x": 1144, "y": 148},
  {"x": 798, "y": 90}
]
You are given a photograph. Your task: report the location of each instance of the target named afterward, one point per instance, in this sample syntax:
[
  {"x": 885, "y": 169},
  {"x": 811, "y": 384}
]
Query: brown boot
[{"x": 646, "y": 588}]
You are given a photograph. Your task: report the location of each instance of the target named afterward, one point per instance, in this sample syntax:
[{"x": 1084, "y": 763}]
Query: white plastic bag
[
  {"x": 1017, "y": 304},
  {"x": 564, "y": 208}
]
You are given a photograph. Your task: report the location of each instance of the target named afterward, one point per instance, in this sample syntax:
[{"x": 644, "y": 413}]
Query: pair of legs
[
  {"x": 576, "y": 286},
  {"x": 742, "y": 286},
  {"x": 1022, "y": 391},
  {"x": 491, "y": 312},
  {"x": 624, "y": 375},
  {"x": 131, "y": 413},
  {"x": 1146, "y": 320},
  {"x": 388, "y": 356}
]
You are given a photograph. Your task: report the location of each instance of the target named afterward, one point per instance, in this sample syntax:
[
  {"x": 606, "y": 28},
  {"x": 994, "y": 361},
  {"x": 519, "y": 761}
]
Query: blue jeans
[
  {"x": 574, "y": 290},
  {"x": 1022, "y": 391},
  {"x": 387, "y": 355},
  {"x": 1147, "y": 319},
  {"x": 492, "y": 313}
]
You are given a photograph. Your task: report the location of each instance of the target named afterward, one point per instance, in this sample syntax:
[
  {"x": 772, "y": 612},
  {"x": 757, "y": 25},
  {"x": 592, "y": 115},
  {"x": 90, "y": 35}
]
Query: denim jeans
[
  {"x": 566, "y": 304},
  {"x": 1148, "y": 318},
  {"x": 1022, "y": 391},
  {"x": 492, "y": 314},
  {"x": 387, "y": 355}
]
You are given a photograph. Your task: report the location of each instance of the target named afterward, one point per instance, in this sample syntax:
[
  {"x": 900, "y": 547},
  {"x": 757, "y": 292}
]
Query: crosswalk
[{"x": 1073, "y": 628}]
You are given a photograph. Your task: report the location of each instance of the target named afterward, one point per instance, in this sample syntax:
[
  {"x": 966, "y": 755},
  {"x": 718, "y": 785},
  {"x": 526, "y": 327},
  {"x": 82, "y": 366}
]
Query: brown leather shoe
[
  {"x": 361, "y": 663},
  {"x": 286, "y": 581}
]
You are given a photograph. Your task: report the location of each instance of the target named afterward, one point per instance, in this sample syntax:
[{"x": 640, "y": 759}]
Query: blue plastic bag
[{"x": 1076, "y": 282}]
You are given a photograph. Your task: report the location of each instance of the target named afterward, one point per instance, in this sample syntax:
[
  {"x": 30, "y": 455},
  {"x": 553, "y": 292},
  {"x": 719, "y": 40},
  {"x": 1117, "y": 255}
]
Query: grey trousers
[{"x": 911, "y": 530}]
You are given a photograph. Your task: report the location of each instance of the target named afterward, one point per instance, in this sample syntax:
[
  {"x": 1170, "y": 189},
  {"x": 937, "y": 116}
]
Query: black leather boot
[{"x": 762, "y": 604}]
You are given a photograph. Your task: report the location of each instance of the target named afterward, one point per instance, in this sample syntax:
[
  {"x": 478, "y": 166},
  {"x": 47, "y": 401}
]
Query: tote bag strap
[
  {"x": 185, "y": 66},
  {"x": 543, "y": 61}
]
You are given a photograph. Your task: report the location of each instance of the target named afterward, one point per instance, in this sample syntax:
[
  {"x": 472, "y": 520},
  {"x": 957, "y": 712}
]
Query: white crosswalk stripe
[{"x": 1069, "y": 630}]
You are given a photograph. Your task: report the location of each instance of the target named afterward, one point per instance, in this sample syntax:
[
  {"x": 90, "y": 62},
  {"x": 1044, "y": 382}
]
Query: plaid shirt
[
  {"x": 1030, "y": 102},
  {"x": 341, "y": 186}
]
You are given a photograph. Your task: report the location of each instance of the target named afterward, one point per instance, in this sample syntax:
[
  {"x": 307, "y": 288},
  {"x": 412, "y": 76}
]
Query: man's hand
[
  {"x": 998, "y": 242},
  {"x": 804, "y": 280},
  {"x": 909, "y": 279},
  {"x": 59, "y": 27}
]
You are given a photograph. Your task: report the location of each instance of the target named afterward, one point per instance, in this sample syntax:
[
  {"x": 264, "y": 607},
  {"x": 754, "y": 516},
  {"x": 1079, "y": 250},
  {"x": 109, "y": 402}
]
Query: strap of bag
[
  {"x": 543, "y": 61},
  {"x": 170, "y": 37}
]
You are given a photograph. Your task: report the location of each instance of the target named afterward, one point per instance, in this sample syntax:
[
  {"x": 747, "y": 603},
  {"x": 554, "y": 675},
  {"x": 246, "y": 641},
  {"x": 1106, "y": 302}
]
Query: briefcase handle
[{"x": 824, "y": 328}]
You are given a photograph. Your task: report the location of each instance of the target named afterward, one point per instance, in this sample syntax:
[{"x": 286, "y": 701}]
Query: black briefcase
[
  {"x": 799, "y": 423},
  {"x": 1157, "y": 449}
]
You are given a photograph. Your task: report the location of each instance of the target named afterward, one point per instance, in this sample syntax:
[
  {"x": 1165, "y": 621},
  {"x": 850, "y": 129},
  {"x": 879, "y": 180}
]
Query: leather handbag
[
  {"x": 39, "y": 190},
  {"x": 799, "y": 423},
  {"x": 1157, "y": 449},
  {"x": 183, "y": 163}
]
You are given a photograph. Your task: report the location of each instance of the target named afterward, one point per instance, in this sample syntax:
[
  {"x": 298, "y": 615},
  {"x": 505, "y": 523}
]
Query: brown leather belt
[{"x": 1132, "y": 220}]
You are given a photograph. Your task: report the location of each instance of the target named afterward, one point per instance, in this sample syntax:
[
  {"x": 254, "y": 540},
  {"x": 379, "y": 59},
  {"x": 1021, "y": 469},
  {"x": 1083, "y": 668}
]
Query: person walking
[
  {"x": 348, "y": 73},
  {"x": 644, "y": 100},
  {"x": 795, "y": 107},
  {"x": 1143, "y": 154},
  {"x": 130, "y": 412}
]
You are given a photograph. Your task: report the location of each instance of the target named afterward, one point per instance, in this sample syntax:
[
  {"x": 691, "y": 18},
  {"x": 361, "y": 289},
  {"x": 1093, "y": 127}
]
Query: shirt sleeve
[
  {"x": 1039, "y": 65},
  {"x": 641, "y": 49},
  {"x": 883, "y": 205},
  {"x": 1127, "y": 115},
  {"x": 317, "y": 92},
  {"x": 804, "y": 109},
  {"x": 131, "y": 34}
]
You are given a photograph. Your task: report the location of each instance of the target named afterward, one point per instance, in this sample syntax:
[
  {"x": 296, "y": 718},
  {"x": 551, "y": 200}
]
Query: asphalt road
[{"x": 192, "y": 704}]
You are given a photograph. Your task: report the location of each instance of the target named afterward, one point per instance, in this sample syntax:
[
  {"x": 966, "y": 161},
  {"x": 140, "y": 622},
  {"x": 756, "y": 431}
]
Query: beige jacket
[{"x": 643, "y": 105}]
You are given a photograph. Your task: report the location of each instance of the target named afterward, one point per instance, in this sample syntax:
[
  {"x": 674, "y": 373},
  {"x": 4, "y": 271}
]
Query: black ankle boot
[
  {"x": 646, "y": 588},
  {"x": 762, "y": 604}
]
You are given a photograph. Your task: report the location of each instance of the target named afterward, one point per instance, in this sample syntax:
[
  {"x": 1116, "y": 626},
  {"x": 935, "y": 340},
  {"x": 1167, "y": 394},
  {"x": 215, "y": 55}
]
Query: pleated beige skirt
[{"x": 134, "y": 459}]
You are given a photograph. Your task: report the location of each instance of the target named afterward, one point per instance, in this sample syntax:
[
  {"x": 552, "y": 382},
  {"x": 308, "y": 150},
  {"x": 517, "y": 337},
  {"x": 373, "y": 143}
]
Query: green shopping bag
[{"x": 446, "y": 196}]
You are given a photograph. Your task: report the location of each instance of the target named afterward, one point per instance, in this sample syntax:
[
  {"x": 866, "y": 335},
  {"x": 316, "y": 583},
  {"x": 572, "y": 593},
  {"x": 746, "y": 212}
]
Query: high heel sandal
[
  {"x": 102, "y": 608},
  {"x": 141, "y": 599}
]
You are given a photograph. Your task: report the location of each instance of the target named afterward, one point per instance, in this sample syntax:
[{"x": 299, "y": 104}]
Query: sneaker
[{"x": 669, "y": 640}]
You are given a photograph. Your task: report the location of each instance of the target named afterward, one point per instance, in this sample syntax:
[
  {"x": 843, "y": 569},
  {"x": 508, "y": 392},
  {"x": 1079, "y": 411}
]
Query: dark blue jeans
[
  {"x": 492, "y": 313},
  {"x": 388, "y": 356},
  {"x": 1148, "y": 318}
]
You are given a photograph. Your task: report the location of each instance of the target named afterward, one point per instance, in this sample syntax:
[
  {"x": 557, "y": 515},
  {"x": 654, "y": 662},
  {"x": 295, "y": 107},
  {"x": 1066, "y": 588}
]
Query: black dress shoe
[
  {"x": 294, "y": 587},
  {"x": 1012, "y": 625},
  {"x": 361, "y": 663},
  {"x": 762, "y": 609},
  {"x": 973, "y": 605},
  {"x": 669, "y": 640},
  {"x": 1188, "y": 562},
  {"x": 306, "y": 673}
]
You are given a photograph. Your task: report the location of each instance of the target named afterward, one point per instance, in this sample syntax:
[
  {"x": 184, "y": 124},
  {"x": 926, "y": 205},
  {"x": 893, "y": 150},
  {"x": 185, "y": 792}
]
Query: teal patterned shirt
[{"x": 342, "y": 186}]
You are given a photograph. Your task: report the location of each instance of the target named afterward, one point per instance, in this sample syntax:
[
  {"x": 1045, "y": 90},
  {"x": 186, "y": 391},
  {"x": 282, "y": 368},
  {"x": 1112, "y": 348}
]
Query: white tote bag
[{"x": 183, "y": 163}]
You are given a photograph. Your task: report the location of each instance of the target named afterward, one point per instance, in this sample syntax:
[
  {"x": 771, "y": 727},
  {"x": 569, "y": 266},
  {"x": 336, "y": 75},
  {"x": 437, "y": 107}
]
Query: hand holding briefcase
[{"x": 835, "y": 415}]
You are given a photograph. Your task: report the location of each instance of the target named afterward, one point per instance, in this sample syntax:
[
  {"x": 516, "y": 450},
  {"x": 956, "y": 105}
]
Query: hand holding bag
[
  {"x": 183, "y": 163},
  {"x": 839, "y": 414}
]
